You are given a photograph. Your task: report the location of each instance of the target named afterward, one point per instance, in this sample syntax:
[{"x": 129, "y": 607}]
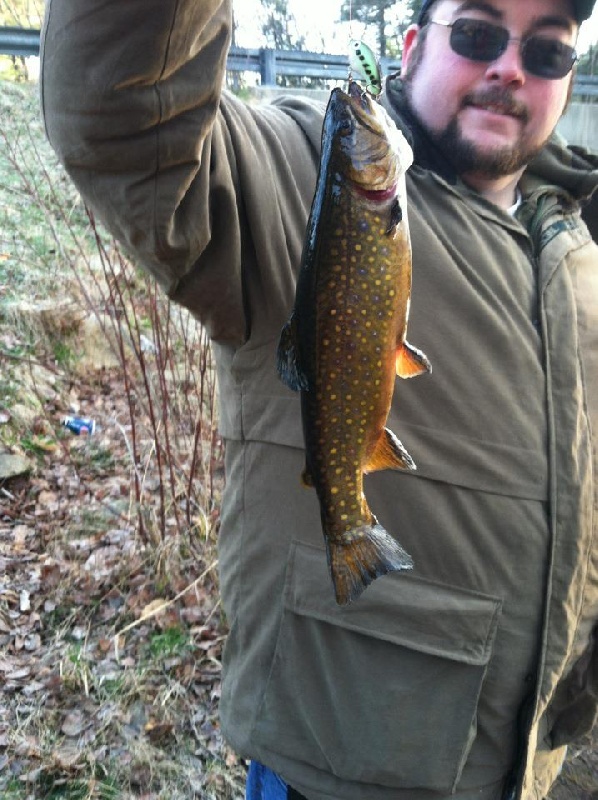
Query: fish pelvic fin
[
  {"x": 287, "y": 359},
  {"x": 411, "y": 362},
  {"x": 362, "y": 556},
  {"x": 390, "y": 453}
]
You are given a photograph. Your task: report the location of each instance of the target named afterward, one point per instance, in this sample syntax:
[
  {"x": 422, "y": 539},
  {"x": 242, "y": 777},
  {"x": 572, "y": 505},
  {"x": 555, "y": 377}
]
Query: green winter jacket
[{"x": 467, "y": 677}]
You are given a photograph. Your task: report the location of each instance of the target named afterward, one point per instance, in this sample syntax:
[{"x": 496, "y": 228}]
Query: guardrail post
[{"x": 268, "y": 66}]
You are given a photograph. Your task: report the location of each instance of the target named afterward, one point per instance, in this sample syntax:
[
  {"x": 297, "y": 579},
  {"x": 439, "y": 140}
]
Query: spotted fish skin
[{"x": 345, "y": 340}]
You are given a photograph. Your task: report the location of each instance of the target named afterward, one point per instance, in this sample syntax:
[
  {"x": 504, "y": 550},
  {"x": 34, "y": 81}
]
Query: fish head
[{"x": 366, "y": 145}]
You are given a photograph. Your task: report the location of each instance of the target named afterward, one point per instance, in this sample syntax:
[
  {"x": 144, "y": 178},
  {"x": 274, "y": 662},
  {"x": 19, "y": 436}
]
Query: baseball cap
[{"x": 583, "y": 9}]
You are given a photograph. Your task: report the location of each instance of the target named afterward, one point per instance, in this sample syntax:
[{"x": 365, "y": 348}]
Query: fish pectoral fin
[
  {"x": 389, "y": 454},
  {"x": 410, "y": 361},
  {"x": 396, "y": 215},
  {"x": 287, "y": 361}
]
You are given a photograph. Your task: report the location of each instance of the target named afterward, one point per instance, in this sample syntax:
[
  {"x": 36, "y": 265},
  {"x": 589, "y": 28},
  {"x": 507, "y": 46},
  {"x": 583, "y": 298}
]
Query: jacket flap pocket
[
  {"x": 383, "y": 692},
  {"x": 424, "y": 616}
]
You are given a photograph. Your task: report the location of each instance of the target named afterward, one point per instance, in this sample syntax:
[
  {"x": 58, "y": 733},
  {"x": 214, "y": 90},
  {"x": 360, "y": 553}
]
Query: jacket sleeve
[
  {"x": 575, "y": 707},
  {"x": 130, "y": 94}
]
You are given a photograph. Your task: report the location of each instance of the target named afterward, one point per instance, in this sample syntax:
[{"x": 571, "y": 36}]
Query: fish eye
[{"x": 346, "y": 124}]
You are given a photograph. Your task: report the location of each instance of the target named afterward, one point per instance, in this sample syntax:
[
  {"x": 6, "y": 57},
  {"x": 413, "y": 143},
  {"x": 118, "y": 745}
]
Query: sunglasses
[{"x": 478, "y": 40}]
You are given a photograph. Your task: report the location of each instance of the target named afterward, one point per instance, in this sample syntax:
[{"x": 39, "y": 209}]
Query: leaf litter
[{"x": 107, "y": 673}]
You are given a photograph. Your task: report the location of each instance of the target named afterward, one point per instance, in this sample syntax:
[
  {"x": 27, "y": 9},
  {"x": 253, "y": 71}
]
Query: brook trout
[{"x": 345, "y": 340}]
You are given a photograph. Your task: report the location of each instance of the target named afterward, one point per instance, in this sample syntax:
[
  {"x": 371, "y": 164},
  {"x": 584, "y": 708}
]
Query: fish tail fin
[
  {"x": 411, "y": 362},
  {"x": 362, "y": 556}
]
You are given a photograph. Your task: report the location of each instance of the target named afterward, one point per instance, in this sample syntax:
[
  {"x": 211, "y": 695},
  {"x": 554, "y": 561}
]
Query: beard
[
  {"x": 461, "y": 153},
  {"x": 468, "y": 158}
]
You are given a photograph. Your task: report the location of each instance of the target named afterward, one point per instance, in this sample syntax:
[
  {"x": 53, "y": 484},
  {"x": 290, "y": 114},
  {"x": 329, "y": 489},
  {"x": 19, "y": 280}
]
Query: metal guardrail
[
  {"x": 19, "y": 42},
  {"x": 586, "y": 85},
  {"x": 268, "y": 62}
]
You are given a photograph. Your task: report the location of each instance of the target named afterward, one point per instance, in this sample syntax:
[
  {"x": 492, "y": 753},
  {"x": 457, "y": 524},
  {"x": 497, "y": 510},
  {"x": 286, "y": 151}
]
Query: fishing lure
[{"x": 364, "y": 63}]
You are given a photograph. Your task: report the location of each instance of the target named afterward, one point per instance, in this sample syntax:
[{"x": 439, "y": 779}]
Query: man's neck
[{"x": 500, "y": 191}]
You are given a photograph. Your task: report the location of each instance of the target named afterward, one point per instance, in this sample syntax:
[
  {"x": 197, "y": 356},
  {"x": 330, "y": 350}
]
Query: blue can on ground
[{"x": 79, "y": 425}]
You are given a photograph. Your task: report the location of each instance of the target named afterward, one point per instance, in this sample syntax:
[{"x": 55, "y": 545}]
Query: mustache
[{"x": 503, "y": 98}]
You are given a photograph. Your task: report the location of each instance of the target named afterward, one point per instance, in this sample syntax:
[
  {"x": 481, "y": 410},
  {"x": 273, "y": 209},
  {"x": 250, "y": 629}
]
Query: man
[{"x": 468, "y": 677}]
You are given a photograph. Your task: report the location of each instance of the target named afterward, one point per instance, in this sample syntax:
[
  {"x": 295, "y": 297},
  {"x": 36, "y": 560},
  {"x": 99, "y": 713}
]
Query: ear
[{"x": 409, "y": 43}]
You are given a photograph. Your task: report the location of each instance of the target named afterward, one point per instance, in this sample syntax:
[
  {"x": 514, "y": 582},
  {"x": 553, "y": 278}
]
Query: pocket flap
[{"x": 405, "y": 609}]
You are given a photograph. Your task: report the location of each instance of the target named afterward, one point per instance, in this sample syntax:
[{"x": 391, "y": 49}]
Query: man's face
[{"x": 489, "y": 118}]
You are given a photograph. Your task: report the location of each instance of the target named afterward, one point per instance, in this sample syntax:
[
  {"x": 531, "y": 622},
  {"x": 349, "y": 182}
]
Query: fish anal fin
[
  {"x": 389, "y": 453},
  {"x": 287, "y": 359},
  {"x": 361, "y": 556},
  {"x": 410, "y": 361}
]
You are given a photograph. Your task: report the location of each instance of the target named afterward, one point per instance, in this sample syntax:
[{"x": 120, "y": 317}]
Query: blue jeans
[{"x": 263, "y": 784}]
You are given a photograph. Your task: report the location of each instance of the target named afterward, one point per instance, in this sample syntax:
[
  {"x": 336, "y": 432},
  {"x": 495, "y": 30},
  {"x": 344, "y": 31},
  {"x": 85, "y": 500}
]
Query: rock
[{"x": 13, "y": 465}]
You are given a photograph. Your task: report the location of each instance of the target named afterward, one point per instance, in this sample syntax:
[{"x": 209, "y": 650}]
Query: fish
[
  {"x": 345, "y": 339},
  {"x": 364, "y": 63}
]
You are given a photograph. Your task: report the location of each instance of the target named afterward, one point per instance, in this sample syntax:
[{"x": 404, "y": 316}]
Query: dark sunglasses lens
[
  {"x": 547, "y": 58},
  {"x": 478, "y": 40}
]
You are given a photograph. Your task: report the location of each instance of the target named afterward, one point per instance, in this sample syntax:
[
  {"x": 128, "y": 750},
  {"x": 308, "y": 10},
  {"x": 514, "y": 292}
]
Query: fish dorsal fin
[
  {"x": 389, "y": 454},
  {"x": 287, "y": 360},
  {"x": 410, "y": 361},
  {"x": 307, "y": 479}
]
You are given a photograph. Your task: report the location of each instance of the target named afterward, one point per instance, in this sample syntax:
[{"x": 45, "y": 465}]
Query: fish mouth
[
  {"x": 359, "y": 103},
  {"x": 376, "y": 195}
]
